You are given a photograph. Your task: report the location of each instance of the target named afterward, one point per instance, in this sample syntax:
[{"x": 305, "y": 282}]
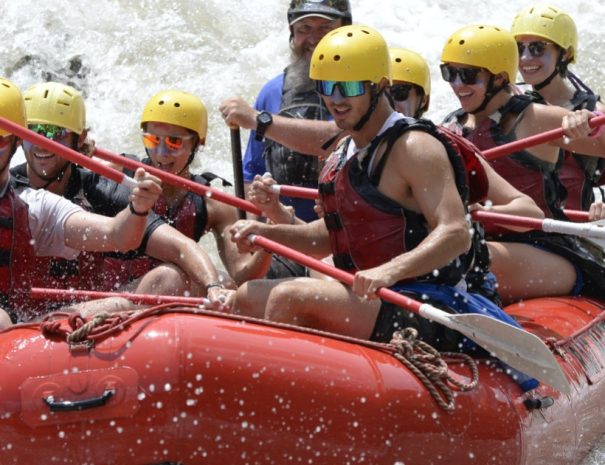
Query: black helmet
[{"x": 332, "y": 9}]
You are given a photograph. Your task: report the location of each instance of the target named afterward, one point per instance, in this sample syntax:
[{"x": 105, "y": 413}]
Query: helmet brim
[{"x": 313, "y": 15}]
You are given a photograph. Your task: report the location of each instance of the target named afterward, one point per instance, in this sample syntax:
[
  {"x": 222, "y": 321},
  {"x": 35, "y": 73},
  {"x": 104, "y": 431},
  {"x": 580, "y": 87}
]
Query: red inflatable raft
[{"x": 177, "y": 386}]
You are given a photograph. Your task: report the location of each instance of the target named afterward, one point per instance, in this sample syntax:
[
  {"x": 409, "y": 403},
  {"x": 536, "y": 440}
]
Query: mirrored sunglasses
[
  {"x": 50, "y": 131},
  {"x": 346, "y": 88},
  {"x": 153, "y": 141},
  {"x": 467, "y": 75},
  {"x": 536, "y": 48},
  {"x": 400, "y": 92}
]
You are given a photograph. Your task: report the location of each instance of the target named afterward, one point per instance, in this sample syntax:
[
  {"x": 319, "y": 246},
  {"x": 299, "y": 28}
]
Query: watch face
[{"x": 264, "y": 118}]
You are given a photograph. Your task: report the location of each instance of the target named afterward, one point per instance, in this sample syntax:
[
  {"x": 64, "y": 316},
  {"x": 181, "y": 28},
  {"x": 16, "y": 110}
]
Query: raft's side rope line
[
  {"x": 426, "y": 363},
  {"x": 84, "y": 328},
  {"x": 109, "y": 325}
]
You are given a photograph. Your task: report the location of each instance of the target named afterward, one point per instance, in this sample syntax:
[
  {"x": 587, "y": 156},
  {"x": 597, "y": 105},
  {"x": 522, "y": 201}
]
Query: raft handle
[{"x": 70, "y": 406}]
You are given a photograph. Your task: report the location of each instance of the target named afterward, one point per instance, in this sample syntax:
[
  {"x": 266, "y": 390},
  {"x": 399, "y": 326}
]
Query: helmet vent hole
[
  {"x": 398, "y": 60},
  {"x": 177, "y": 104},
  {"x": 161, "y": 102},
  {"x": 321, "y": 57},
  {"x": 350, "y": 34},
  {"x": 461, "y": 42},
  {"x": 46, "y": 94},
  {"x": 336, "y": 57}
]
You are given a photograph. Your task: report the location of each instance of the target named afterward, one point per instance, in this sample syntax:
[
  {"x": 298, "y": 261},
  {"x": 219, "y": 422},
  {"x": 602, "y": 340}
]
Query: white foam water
[{"x": 120, "y": 52}]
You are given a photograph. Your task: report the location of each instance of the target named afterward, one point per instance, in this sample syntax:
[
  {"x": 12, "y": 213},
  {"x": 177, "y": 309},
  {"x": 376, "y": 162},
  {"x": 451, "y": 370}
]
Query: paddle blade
[{"x": 516, "y": 347}]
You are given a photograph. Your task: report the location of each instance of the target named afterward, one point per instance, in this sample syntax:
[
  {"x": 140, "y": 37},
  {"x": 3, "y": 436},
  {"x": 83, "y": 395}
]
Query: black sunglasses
[
  {"x": 536, "y": 49},
  {"x": 400, "y": 92},
  {"x": 467, "y": 75}
]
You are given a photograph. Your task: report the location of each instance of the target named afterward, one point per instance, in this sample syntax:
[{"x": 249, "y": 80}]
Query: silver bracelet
[{"x": 211, "y": 285}]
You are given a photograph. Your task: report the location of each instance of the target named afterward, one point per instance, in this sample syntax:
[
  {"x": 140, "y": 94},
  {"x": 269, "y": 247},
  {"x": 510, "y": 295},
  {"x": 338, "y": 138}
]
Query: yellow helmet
[
  {"x": 55, "y": 103},
  {"x": 483, "y": 46},
  {"x": 178, "y": 108},
  {"x": 409, "y": 66},
  {"x": 351, "y": 53},
  {"x": 11, "y": 104},
  {"x": 550, "y": 23}
]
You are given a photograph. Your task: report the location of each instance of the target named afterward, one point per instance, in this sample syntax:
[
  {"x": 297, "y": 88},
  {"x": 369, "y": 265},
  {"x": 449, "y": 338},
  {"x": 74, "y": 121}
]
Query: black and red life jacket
[
  {"x": 16, "y": 257},
  {"x": 189, "y": 217},
  {"x": 367, "y": 228},
  {"x": 527, "y": 173},
  {"x": 579, "y": 173}
]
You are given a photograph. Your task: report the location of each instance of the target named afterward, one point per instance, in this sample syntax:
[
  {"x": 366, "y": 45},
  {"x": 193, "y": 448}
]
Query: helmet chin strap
[
  {"x": 198, "y": 145},
  {"x": 373, "y": 102},
  {"x": 560, "y": 68},
  {"x": 491, "y": 91},
  {"x": 420, "y": 107}
]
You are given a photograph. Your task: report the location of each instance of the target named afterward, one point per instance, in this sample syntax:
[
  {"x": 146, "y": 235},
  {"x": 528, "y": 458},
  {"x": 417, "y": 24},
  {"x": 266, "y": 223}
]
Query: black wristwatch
[{"x": 263, "y": 121}]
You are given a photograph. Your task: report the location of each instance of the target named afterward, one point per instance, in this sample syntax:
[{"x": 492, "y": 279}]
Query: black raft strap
[
  {"x": 6, "y": 222},
  {"x": 332, "y": 221},
  {"x": 343, "y": 261},
  {"x": 326, "y": 188},
  {"x": 5, "y": 258}
]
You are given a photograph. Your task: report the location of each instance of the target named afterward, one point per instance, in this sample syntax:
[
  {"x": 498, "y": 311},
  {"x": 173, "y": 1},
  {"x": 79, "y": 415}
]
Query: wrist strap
[{"x": 134, "y": 212}]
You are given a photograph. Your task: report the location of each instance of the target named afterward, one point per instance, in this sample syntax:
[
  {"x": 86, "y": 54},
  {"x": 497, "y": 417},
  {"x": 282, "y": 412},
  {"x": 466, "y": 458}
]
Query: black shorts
[
  {"x": 283, "y": 268},
  {"x": 392, "y": 318}
]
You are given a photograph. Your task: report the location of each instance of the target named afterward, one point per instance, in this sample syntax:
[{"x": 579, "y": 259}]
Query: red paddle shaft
[
  {"x": 534, "y": 140},
  {"x": 340, "y": 275},
  {"x": 67, "y": 153},
  {"x": 66, "y": 294},
  {"x": 178, "y": 181}
]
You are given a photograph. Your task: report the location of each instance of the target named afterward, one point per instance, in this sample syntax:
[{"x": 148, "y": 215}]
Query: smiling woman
[
  {"x": 547, "y": 38},
  {"x": 174, "y": 127}
]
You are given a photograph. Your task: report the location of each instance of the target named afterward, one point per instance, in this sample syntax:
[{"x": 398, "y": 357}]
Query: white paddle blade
[
  {"x": 514, "y": 346},
  {"x": 594, "y": 230},
  {"x": 599, "y": 242}
]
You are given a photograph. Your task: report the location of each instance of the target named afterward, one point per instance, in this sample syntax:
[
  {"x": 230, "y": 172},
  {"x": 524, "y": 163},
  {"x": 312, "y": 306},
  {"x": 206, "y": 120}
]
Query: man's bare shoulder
[{"x": 419, "y": 146}]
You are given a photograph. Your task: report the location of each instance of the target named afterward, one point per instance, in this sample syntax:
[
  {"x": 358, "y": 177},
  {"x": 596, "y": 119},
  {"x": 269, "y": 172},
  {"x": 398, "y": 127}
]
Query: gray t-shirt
[{"x": 48, "y": 213}]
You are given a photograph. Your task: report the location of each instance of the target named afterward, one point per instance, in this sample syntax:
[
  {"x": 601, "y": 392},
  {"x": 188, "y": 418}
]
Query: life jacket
[
  {"x": 83, "y": 272},
  {"x": 477, "y": 277},
  {"x": 288, "y": 166},
  {"x": 367, "y": 228},
  {"x": 16, "y": 257},
  {"x": 529, "y": 174},
  {"x": 580, "y": 173},
  {"x": 189, "y": 217}
]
